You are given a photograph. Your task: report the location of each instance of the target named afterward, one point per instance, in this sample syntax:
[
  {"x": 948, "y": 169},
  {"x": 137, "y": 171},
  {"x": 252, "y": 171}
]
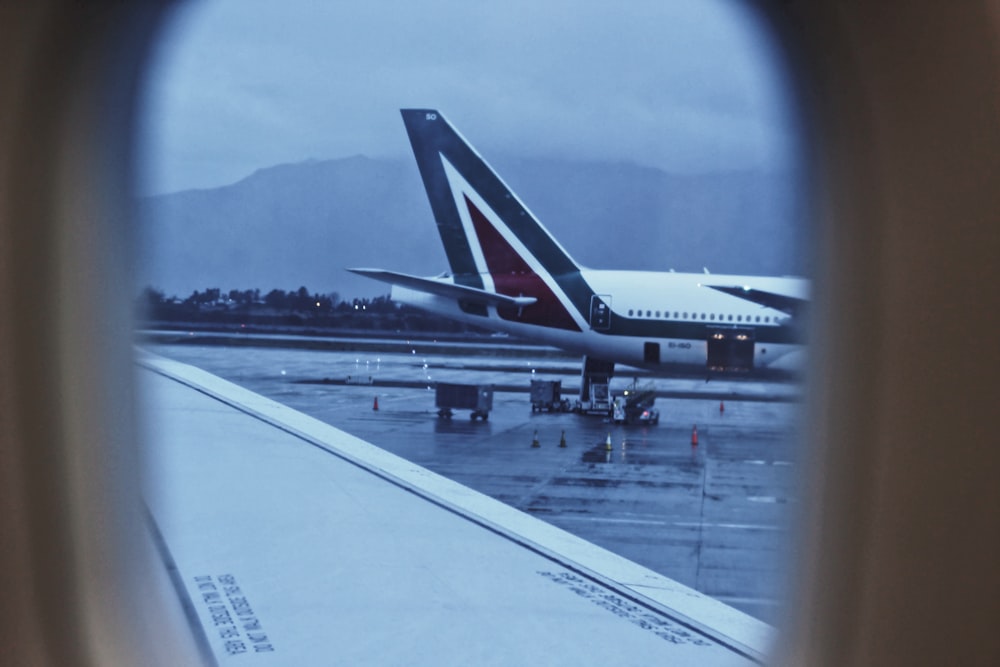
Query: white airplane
[{"x": 509, "y": 274}]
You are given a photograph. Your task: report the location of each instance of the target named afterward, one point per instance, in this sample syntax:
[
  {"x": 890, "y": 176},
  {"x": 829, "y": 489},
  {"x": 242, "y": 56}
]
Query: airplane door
[{"x": 600, "y": 312}]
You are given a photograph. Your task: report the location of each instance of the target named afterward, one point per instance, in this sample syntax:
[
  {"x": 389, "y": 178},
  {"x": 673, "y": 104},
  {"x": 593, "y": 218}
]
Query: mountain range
[{"x": 302, "y": 224}]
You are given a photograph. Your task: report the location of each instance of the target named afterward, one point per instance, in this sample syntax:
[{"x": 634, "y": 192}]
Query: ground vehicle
[
  {"x": 547, "y": 395},
  {"x": 451, "y": 396},
  {"x": 635, "y": 405}
]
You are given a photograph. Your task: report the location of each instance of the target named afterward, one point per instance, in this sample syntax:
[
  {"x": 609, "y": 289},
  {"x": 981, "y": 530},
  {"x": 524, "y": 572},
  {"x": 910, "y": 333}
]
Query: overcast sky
[{"x": 685, "y": 85}]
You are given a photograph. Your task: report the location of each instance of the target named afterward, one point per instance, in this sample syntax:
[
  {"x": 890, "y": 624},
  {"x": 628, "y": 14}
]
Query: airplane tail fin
[{"x": 492, "y": 240}]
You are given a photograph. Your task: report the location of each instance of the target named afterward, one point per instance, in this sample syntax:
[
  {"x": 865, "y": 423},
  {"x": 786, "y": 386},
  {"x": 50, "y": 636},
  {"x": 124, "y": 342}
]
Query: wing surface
[
  {"x": 294, "y": 543},
  {"x": 790, "y": 305}
]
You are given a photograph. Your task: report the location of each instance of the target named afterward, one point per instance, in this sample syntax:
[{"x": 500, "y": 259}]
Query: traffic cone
[
  {"x": 534, "y": 440},
  {"x": 607, "y": 443},
  {"x": 722, "y": 407},
  {"x": 694, "y": 435},
  {"x": 375, "y": 405},
  {"x": 562, "y": 439}
]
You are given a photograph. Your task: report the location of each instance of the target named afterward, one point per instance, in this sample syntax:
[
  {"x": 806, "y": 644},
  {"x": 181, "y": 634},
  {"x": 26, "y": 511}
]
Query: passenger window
[{"x": 276, "y": 158}]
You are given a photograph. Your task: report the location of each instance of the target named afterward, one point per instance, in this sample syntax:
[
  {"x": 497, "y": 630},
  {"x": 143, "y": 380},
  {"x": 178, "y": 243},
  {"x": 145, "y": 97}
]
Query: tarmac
[{"x": 715, "y": 515}]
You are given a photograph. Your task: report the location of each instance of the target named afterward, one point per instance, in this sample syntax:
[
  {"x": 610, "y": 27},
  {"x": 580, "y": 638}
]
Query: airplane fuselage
[{"x": 647, "y": 319}]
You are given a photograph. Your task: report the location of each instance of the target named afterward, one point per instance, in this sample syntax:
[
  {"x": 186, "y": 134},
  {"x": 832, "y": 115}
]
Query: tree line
[{"x": 279, "y": 309}]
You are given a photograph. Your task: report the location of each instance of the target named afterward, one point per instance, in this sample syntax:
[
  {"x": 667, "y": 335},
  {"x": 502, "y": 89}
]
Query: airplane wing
[
  {"x": 790, "y": 305},
  {"x": 291, "y": 542},
  {"x": 445, "y": 289}
]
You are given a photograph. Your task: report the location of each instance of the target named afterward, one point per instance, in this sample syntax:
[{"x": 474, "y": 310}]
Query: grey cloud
[{"x": 248, "y": 84}]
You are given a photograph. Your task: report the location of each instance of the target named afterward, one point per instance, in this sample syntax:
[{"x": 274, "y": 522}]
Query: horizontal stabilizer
[
  {"x": 446, "y": 289},
  {"x": 787, "y": 304}
]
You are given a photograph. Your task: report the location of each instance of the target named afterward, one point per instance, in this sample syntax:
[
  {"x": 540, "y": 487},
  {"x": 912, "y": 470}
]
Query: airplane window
[
  {"x": 227, "y": 117},
  {"x": 285, "y": 144}
]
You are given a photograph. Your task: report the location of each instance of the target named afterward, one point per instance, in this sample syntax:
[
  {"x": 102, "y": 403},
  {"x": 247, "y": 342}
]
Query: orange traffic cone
[
  {"x": 375, "y": 406},
  {"x": 694, "y": 435}
]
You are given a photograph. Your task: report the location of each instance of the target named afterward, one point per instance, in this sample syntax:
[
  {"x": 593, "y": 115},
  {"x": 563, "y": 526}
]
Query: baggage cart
[
  {"x": 476, "y": 398},
  {"x": 547, "y": 395}
]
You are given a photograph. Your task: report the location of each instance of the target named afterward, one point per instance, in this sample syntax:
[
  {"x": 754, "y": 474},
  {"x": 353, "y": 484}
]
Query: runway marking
[
  {"x": 599, "y": 519},
  {"x": 733, "y": 526},
  {"x": 679, "y": 524}
]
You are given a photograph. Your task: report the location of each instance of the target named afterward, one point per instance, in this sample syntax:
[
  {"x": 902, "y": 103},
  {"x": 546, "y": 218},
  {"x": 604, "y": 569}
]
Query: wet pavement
[{"x": 714, "y": 516}]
